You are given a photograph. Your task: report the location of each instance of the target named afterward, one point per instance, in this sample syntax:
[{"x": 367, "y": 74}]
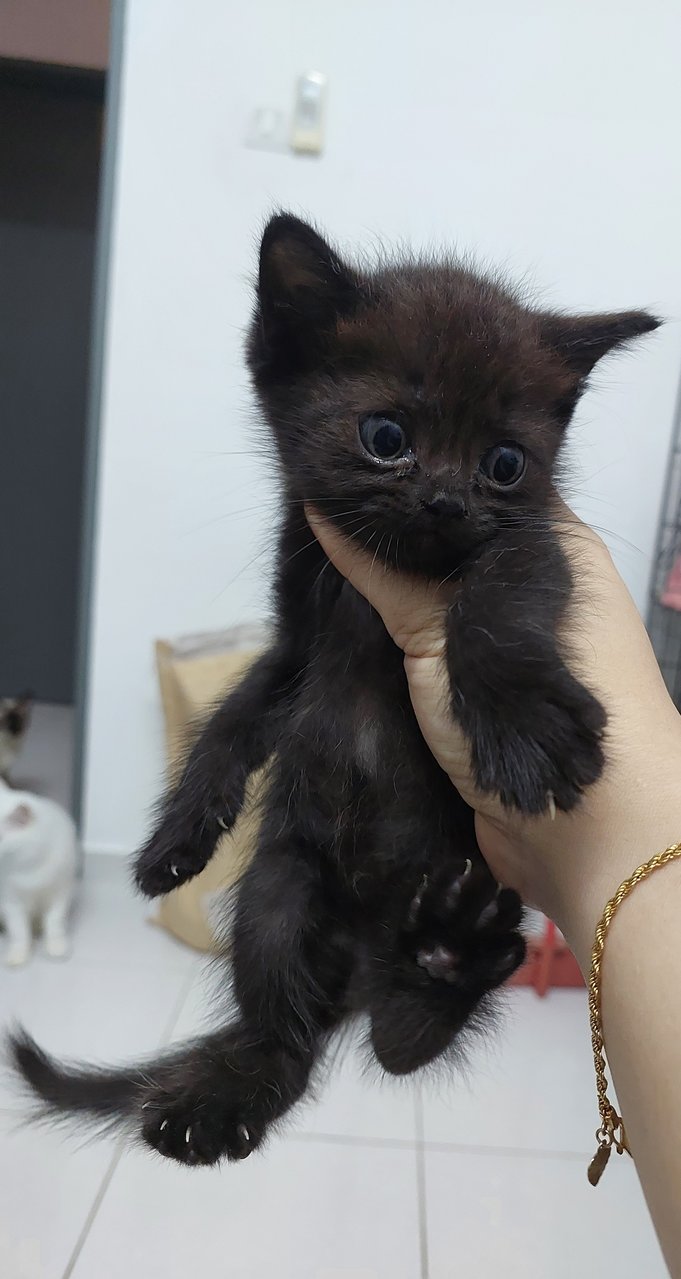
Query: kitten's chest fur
[
  {"x": 359, "y": 749},
  {"x": 354, "y": 704}
]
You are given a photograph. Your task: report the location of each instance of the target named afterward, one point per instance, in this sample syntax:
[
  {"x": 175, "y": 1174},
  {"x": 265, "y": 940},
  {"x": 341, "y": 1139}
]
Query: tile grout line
[
  {"x": 94, "y": 1209},
  {"x": 177, "y": 1007},
  {"x": 439, "y": 1147},
  {"x": 120, "y": 1149},
  {"x": 420, "y": 1156},
  {"x": 405, "y": 1143},
  {"x": 513, "y": 1152},
  {"x": 346, "y": 1139}
]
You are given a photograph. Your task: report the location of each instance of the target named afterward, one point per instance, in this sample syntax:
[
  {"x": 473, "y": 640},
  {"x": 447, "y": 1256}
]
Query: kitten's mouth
[{"x": 447, "y": 548}]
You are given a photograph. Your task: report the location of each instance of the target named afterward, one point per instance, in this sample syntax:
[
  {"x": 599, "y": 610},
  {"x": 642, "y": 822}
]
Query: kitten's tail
[{"x": 109, "y": 1100}]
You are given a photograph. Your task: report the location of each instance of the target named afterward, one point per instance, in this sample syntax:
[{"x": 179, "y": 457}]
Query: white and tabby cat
[{"x": 38, "y": 858}]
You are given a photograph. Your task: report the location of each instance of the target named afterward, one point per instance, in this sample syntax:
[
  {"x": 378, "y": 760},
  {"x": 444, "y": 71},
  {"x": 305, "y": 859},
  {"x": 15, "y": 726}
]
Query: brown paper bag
[{"x": 194, "y": 673}]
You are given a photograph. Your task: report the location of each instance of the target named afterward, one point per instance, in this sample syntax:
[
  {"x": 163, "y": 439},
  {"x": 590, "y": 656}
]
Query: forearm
[
  {"x": 642, "y": 1029},
  {"x": 641, "y": 1004}
]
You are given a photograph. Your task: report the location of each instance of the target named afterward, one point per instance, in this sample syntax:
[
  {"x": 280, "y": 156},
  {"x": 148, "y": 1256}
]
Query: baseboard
[{"x": 106, "y": 850}]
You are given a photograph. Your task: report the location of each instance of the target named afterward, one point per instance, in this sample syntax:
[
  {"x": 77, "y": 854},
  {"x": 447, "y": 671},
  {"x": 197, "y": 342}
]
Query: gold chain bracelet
[{"x": 611, "y": 1131}]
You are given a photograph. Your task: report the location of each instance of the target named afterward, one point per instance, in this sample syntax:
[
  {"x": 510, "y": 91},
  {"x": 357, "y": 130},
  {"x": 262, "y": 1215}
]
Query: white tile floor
[{"x": 470, "y": 1177}]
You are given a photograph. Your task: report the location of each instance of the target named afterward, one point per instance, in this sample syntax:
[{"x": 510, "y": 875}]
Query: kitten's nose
[{"x": 447, "y": 506}]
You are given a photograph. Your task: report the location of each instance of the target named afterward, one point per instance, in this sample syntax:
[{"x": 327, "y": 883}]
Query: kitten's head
[{"x": 420, "y": 405}]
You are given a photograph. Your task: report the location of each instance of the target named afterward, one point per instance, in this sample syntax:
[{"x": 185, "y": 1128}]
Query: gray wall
[{"x": 50, "y": 129}]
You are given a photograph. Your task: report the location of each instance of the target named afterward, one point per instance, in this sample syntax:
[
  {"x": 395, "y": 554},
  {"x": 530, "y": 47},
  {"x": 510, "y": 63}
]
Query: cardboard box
[{"x": 194, "y": 675}]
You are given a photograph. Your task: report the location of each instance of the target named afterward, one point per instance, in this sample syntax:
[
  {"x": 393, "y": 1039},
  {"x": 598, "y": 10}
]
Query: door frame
[{"x": 101, "y": 287}]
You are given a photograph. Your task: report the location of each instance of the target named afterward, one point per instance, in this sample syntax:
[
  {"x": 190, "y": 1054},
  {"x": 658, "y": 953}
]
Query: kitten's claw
[
  {"x": 224, "y": 825},
  {"x": 174, "y": 871},
  {"x": 551, "y": 805},
  {"x": 188, "y": 1135},
  {"x": 416, "y": 902},
  {"x": 488, "y": 912},
  {"x": 456, "y": 886}
]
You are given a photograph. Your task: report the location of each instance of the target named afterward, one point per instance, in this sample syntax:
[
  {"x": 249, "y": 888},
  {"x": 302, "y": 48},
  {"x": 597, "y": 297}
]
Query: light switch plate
[{"x": 307, "y": 130}]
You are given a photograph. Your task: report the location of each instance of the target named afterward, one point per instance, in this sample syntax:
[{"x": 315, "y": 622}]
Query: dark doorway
[{"x": 50, "y": 151}]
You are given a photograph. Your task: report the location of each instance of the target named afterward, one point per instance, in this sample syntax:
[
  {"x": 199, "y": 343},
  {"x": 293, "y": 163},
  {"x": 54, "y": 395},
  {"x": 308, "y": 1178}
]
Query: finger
[{"x": 413, "y": 611}]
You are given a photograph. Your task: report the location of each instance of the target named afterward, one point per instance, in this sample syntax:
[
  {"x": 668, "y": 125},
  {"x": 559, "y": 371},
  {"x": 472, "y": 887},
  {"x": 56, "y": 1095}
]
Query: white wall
[{"x": 543, "y": 135}]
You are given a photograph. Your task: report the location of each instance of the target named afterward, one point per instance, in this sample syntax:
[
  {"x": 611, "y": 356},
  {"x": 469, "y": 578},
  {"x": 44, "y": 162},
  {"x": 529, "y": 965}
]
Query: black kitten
[{"x": 421, "y": 407}]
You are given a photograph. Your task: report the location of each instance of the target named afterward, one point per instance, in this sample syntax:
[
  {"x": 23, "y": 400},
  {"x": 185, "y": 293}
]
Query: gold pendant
[{"x": 598, "y": 1164}]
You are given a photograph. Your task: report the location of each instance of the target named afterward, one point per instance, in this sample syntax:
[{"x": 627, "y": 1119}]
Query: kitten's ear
[
  {"x": 582, "y": 340},
  {"x": 303, "y": 288}
]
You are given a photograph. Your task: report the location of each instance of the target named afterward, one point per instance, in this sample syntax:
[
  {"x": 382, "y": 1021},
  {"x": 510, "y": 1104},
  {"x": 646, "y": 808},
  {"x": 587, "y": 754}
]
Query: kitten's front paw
[
  {"x": 57, "y": 947},
  {"x": 197, "y": 1131},
  {"x": 463, "y": 931},
  {"x": 167, "y": 861},
  {"x": 542, "y": 751},
  {"x": 16, "y": 955},
  {"x": 184, "y": 842}
]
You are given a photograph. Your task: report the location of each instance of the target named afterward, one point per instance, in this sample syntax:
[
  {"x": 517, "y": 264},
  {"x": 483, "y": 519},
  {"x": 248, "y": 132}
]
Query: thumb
[{"x": 413, "y": 611}]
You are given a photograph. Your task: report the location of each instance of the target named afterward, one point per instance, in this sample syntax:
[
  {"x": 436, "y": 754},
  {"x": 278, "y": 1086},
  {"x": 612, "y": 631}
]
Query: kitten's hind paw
[
  {"x": 57, "y": 947},
  {"x": 197, "y": 1131},
  {"x": 464, "y": 932},
  {"x": 460, "y": 939}
]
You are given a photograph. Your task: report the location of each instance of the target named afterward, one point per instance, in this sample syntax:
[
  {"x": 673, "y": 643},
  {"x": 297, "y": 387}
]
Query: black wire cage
[{"x": 664, "y": 612}]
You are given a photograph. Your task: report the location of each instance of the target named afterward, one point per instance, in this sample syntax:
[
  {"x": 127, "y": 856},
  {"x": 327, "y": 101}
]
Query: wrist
[
  {"x": 632, "y": 833},
  {"x": 571, "y": 866}
]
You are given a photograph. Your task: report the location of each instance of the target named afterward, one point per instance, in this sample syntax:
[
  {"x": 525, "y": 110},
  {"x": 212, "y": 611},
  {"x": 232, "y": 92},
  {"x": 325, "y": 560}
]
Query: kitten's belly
[
  {"x": 370, "y": 779},
  {"x": 352, "y": 725}
]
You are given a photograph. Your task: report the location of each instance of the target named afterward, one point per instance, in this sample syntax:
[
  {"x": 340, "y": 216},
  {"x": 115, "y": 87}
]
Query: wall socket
[{"x": 270, "y": 129}]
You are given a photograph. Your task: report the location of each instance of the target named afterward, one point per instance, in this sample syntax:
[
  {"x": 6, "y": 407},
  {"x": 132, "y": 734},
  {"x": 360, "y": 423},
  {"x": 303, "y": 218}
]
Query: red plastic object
[
  {"x": 549, "y": 963},
  {"x": 671, "y": 596}
]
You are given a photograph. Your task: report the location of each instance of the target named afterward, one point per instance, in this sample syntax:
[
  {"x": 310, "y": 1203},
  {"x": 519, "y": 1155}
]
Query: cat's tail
[{"x": 108, "y": 1100}]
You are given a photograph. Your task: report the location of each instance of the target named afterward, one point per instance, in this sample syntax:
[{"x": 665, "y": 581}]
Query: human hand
[{"x": 570, "y": 865}]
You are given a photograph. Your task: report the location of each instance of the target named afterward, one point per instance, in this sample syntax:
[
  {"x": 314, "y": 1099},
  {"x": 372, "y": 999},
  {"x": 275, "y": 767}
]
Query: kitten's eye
[
  {"x": 504, "y": 465},
  {"x": 383, "y": 438}
]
